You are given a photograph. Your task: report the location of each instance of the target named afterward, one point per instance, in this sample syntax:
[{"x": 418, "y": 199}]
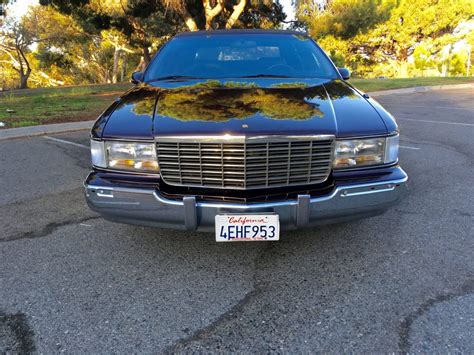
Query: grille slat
[{"x": 245, "y": 164}]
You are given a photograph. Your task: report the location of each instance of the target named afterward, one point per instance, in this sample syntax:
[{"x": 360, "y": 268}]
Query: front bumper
[{"x": 145, "y": 206}]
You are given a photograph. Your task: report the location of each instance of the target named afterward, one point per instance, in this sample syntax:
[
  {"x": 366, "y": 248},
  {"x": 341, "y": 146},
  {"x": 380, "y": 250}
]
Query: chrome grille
[{"x": 245, "y": 163}]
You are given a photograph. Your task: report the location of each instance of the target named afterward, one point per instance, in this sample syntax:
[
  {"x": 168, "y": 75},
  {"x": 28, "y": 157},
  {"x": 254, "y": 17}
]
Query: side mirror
[
  {"x": 137, "y": 77},
  {"x": 345, "y": 73}
]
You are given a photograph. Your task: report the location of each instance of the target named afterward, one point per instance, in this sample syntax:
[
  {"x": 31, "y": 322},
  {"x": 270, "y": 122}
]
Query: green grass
[
  {"x": 24, "y": 123},
  {"x": 387, "y": 84},
  {"x": 69, "y": 90},
  {"x": 80, "y": 103},
  {"x": 30, "y": 107}
]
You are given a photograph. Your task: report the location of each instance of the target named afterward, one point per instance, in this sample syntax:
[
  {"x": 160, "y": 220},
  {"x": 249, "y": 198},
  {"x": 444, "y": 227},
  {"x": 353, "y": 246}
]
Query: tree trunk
[
  {"x": 23, "y": 61},
  {"x": 24, "y": 78},
  {"x": 146, "y": 56},
  {"x": 191, "y": 24},
  {"x": 145, "y": 59},
  {"x": 115, "y": 67},
  {"x": 141, "y": 65},
  {"x": 189, "y": 21},
  {"x": 124, "y": 66},
  {"x": 238, "y": 9},
  {"x": 468, "y": 63},
  {"x": 448, "y": 64}
]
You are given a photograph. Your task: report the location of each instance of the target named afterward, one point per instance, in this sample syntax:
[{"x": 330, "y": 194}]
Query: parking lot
[{"x": 404, "y": 281}]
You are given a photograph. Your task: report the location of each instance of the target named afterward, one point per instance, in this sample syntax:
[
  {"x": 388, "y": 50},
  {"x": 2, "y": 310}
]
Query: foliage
[
  {"x": 147, "y": 23},
  {"x": 343, "y": 18},
  {"x": 102, "y": 41},
  {"x": 379, "y": 37},
  {"x": 212, "y": 14},
  {"x": 422, "y": 58},
  {"x": 138, "y": 23}
]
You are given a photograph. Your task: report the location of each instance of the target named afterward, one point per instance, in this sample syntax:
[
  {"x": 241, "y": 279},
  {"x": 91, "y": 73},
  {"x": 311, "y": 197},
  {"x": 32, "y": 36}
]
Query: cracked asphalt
[{"x": 401, "y": 282}]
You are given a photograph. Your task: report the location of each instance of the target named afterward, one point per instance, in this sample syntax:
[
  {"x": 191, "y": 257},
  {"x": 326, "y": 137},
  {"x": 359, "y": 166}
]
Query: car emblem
[{"x": 245, "y": 126}]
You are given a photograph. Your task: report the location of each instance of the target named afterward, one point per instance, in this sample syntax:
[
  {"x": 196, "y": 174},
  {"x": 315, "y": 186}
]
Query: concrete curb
[
  {"x": 12, "y": 133},
  {"x": 21, "y": 132},
  {"x": 417, "y": 89}
]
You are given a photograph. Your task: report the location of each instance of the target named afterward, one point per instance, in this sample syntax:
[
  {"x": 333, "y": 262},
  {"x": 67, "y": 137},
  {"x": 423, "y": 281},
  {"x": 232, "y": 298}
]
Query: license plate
[{"x": 247, "y": 227}]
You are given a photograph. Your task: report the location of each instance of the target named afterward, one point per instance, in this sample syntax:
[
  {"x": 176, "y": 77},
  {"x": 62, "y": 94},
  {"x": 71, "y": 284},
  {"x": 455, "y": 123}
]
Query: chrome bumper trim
[{"x": 148, "y": 207}]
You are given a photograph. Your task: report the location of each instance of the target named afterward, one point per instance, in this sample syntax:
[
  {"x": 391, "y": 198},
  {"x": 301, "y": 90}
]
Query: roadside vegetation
[
  {"x": 81, "y": 42},
  {"x": 31, "y": 107}
]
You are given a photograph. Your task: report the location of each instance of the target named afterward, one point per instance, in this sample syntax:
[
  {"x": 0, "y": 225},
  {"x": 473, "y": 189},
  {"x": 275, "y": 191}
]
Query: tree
[
  {"x": 14, "y": 43},
  {"x": 343, "y": 18},
  {"x": 213, "y": 14},
  {"x": 141, "y": 23},
  {"x": 46, "y": 48},
  {"x": 387, "y": 35},
  {"x": 422, "y": 58},
  {"x": 19, "y": 37},
  {"x": 147, "y": 23}
]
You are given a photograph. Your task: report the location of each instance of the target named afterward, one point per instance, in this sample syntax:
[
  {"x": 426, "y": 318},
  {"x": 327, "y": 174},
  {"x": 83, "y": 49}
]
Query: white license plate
[{"x": 247, "y": 227}]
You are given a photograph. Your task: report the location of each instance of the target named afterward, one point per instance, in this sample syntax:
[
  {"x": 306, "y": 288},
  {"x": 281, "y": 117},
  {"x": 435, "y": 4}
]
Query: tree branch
[
  {"x": 28, "y": 68},
  {"x": 4, "y": 48},
  {"x": 211, "y": 12},
  {"x": 189, "y": 20},
  {"x": 238, "y": 9}
]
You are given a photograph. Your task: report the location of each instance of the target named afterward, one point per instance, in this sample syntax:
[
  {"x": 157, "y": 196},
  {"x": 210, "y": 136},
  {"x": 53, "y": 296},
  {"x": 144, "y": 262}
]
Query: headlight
[
  {"x": 98, "y": 154},
  {"x": 355, "y": 153},
  {"x": 124, "y": 156}
]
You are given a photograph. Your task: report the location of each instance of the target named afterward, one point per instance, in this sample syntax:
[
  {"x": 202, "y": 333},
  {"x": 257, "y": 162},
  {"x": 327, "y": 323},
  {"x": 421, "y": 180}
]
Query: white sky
[
  {"x": 20, "y": 7},
  {"x": 289, "y": 9}
]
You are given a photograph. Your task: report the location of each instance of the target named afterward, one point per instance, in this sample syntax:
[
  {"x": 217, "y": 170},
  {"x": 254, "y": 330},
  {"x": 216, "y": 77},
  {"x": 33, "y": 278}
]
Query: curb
[
  {"x": 21, "y": 132},
  {"x": 417, "y": 89}
]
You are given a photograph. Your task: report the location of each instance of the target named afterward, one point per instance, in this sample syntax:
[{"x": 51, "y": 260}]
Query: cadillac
[{"x": 243, "y": 132}]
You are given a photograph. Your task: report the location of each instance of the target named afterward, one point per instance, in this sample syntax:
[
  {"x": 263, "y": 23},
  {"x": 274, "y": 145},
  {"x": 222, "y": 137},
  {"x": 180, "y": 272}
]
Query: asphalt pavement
[{"x": 401, "y": 282}]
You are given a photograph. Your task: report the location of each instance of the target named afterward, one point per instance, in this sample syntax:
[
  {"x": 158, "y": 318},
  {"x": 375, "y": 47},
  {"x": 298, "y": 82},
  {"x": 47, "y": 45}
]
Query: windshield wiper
[
  {"x": 265, "y": 76},
  {"x": 174, "y": 77}
]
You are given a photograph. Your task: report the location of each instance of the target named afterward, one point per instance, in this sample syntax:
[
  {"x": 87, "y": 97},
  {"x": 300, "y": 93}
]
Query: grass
[{"x": 31, "y": 107}]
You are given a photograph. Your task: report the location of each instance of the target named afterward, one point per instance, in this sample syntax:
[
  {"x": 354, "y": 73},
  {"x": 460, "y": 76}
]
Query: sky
[
  {"x": 289, "y": 9},
  {"x": 20, "y": 7}
]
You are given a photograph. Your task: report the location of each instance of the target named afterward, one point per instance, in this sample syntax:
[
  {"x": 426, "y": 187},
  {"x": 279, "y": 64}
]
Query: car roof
[{"x": 241, "y": 31}]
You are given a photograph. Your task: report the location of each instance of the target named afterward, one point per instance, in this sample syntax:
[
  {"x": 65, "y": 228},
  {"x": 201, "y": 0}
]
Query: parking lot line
[
  {"x": 407, "y": 147},
  {"x": 66, "y": 142},
  {"x": 444, "y": 122}
]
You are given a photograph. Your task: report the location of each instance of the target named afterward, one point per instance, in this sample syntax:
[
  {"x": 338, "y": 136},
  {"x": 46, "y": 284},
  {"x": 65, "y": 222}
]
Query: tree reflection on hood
[
  {"x": 224, "y": 104},
  {"x": 216, "y": 102}
]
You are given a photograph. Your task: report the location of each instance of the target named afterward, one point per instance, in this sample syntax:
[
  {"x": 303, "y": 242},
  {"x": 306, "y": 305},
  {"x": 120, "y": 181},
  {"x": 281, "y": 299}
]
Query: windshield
[{"x": 238, "y": 56}]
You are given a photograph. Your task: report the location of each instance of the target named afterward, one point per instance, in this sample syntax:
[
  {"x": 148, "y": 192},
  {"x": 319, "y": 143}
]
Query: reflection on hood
[
  {"x": 312, "y": 106},
  {"x": 219, "y": 102},
  {"x": 237, "y": 101},
  {"x": 223, "y": 105}
]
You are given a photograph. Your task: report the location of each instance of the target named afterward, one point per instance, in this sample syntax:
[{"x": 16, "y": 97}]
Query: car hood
[{"x": 262, "y": 107}]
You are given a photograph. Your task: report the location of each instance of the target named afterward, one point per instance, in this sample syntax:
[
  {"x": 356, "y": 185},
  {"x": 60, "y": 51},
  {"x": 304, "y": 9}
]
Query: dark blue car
[{"x": 242, "y": 132}]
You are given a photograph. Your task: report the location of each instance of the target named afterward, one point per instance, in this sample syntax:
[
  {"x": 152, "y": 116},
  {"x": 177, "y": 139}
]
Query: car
[{"x": 243, "y": 133}]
